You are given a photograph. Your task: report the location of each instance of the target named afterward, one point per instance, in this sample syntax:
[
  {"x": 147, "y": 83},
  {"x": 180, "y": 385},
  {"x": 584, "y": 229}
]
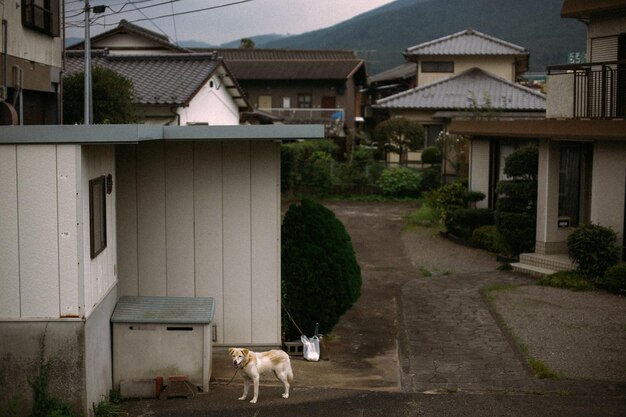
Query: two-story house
[
  {"x": 465, "y": 73},
  {"x": 171, "y": 85},
  {"x": 582, "y": 142},
  {"x": 300, "y": 86},
  {"x": 31, "y": 62}
]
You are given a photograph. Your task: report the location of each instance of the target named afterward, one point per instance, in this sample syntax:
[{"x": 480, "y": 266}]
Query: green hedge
[
  {"x": 464, "y": 221},
  {"x": 614, "y": 279},
  {"x": 518, "y": 231},
  {"x": 489, "y": 238},
  {"x": 321, "y": 278},
  {"x": 594, "y": 248}
]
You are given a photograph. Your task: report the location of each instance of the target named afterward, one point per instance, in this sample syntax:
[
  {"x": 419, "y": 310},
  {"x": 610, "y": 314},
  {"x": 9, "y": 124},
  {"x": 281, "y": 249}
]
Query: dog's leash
[{"x": 235, "y": 374}]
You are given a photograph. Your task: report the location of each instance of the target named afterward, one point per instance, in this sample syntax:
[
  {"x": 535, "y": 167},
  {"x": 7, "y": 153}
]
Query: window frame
[
  {"x": 305, "y": 100},
  {"x": 97, "y": 217},
  {"x": 42, "y": 16},
  {"x": 437, "y": 66}
]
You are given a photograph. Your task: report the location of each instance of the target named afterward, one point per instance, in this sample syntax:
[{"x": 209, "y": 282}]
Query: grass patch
[
  {"x": 567, "y": 280},
  {"x": 543, "y": 371},
  {"x": 426, "y": 272},
  {"x": 424, "y": 216},
  {"x": 498, "y": 287},
  {"x": 539, "y": 368}
]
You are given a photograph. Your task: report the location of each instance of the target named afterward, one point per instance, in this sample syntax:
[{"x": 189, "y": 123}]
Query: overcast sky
[{"x": 220, "y": 24}]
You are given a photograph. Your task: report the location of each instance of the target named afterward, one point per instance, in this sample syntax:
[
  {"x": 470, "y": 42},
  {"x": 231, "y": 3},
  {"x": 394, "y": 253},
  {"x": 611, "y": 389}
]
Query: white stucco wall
[
  {"x": 609, "y": 185},
  {"x": 203, "y": 219},
  {"x": 212, "y": 105}
]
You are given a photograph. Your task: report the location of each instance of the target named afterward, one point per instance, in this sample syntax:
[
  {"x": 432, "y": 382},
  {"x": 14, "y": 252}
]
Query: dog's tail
[{"x": 289, "y": 371}]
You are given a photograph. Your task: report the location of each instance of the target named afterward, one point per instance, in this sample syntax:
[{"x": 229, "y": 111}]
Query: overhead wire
[{"x": 147, "y": 18}]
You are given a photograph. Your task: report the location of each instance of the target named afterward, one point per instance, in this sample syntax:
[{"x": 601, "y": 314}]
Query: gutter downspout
[{"x": 5, "y": 57}]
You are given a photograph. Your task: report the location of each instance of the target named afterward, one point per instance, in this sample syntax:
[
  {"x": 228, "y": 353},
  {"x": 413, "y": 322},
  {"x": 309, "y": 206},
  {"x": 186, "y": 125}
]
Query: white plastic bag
[{"x": 311, "y": 348}]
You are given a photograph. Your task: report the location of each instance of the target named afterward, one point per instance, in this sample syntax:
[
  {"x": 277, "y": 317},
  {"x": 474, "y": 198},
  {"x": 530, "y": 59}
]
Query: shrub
[
  {"x": 431, "y": 155},
  {"x": 321, "y": 278},
  {"x": 431, "y": 178},
  {"x": 361, "y": 169},
  {"x": 517, "y": 230},
  {"x": 594, "y": 248},
  {"x": 489, "y": 238},
  {"x": 447, "y": 199},
  {"x": 464, "y": 221},
  {"x": 472, "y": 197},
  {"x": 568, "y": 280},
  {"x": 400, "y": 182},
  {"x": 614, "y": 279},
  {"x": 297, "y": 160}
]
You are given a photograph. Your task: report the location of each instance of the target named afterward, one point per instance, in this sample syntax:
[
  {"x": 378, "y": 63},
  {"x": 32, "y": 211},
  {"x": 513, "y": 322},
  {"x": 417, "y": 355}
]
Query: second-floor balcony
[
  {"x": 590, "y": 91},
  {"x": 333, "y": 119}
]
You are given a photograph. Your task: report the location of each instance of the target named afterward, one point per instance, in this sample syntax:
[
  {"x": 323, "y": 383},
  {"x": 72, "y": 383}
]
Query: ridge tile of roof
[
  {"x": 466, "y": 89},
  {"x": 254, "y": 54},
  {"x": 466, "y": 42}
]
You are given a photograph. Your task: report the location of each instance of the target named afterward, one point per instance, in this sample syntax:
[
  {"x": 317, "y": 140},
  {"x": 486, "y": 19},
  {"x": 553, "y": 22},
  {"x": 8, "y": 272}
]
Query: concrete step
[
  {"x": 535, "y": 271},
  {"x": 557, "y": 262}
]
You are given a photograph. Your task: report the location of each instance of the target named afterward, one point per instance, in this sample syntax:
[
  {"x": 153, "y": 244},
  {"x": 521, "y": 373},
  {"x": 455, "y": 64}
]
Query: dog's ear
[
  {"x": 245, "y": 352},
  {"x": 231, "y": 350}
]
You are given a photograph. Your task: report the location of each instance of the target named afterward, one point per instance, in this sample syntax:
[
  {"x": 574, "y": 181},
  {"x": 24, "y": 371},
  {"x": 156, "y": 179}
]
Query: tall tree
[
  {"x": 113, "y": 98},
  {"x": 246, "y": 43},
  {"x": 399, "y": 135}
]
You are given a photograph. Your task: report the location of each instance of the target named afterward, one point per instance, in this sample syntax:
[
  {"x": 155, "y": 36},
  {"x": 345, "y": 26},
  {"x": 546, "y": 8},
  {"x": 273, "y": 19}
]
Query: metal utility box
[{"x": 163, "y": 336}]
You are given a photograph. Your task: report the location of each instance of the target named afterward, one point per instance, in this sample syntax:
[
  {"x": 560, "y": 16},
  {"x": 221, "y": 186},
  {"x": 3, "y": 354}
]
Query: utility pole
[
  {"x": 88, "y": 90},
  {"x": 88, "y": 101}
]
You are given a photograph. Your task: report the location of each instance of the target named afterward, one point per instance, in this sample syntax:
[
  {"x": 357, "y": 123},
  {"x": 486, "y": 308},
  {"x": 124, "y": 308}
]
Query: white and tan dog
[{"x": 253, "y": 364}]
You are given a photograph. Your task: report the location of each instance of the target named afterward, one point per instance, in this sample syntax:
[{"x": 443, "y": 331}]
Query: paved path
[{"x": 448, "y": 338}]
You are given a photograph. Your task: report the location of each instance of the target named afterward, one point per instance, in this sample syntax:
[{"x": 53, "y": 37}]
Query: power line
[{"x": 233, "y": 3}]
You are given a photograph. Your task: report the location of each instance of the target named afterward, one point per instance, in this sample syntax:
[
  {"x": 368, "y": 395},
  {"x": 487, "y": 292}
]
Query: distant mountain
[
  {"x": 259, "y": 41},
  {"x": 381, "y": 35}
]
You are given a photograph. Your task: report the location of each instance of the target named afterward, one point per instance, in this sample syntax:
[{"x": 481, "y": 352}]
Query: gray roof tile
[
  {"x": 458, "y": 91},
  {"x": 467, "y": 42},
  {"x": 157, "y": 79}
]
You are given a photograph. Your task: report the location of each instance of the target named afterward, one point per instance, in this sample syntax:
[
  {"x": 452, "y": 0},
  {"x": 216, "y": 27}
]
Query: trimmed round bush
[
  {"x": 614, "y": 279},
  {"x": 321, "y": 278},
  {"x": 431, "y": 155},
  {"x": 400, "y": 182},
  {"x": 594, "y": 248},
  {"x": 489, "y": 238}
]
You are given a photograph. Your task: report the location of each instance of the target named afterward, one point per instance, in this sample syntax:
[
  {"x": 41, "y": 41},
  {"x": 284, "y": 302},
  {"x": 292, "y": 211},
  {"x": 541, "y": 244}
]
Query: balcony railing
[
  {"x": 594, "y": 90},
  {"x": 333, "y": 119}
]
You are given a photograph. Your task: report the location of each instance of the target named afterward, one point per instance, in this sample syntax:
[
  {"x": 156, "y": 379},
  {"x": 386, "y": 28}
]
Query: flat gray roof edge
[
  {"x": 105, "y": 134},
  {"x": 79, "y": 134},
  {"x": 244, "y": 132}
]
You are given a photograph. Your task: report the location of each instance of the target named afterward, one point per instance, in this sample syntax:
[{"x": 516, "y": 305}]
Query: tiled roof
[
  {"x": 126, "y": 27},
  {"x": 406, "y": 70},
  {"x": 157, "y": 79},
  {"x": 254, "y": 54},
  {"x": 280, "y": 64},
  {"x": 457, "y": 92},
  {"x": 467, "y": 42}
]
